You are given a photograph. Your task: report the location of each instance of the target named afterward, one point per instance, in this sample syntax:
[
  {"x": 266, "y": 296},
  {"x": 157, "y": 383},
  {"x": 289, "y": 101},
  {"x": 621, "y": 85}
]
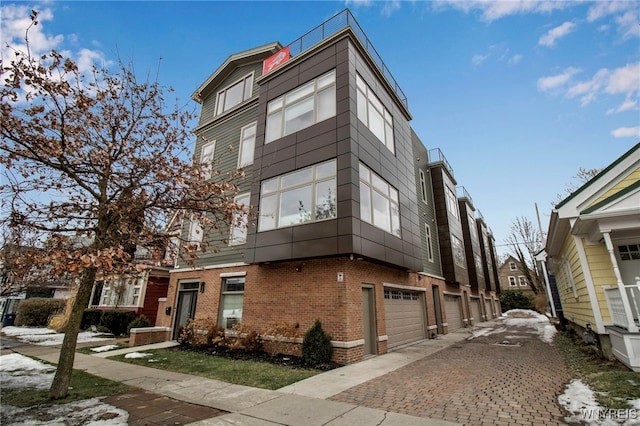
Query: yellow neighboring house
[{"x": 593, "y": 250}]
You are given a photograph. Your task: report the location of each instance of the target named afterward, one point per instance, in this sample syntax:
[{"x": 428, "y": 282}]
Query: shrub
[
  {"x": 282, "y": 336},
  {"x": 515, "y": 299},
  {"x": 316, "y": 346},
  {"x": 37, "y": 312},
  {"x": 117, "y": 321},
  {"x": 90, "y": 317},
  {"x": 201, "y": 333},
  {"x": 139, "y": 322},
  {"x": 247, "y": 339}
]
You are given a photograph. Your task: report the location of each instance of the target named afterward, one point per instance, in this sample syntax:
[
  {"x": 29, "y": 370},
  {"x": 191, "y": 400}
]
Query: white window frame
[
  {"x": 522, "y": 280},
  {"x": 310, "y": 91},
  {"x": 372, "y": 185},
  {"x": 368, "y": 102},
  {"x": 239, "y": 222},
  {"x": 427, "y": 232},
  {"x": 247, "y": 92},
  {"x": 196, "y": 232},
  {"x": 130, "y": 296},
  {"x": 206, "y": 158},
  {"x": 423, "y": 187},
  {"x": 513, "y": 266},
  {"x": 512, "y": 281},
  {"x": 274, "y": 188},
  {"x": 452, "y": 201},
  {"x": 247, "y": 144}
]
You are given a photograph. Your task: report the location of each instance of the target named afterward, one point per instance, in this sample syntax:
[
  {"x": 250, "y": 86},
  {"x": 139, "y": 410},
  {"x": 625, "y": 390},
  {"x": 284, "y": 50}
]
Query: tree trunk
[{"x": 60, "y": 386}]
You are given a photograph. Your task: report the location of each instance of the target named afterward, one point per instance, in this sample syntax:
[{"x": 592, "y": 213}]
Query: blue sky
[{"x": 518, "y": 95}]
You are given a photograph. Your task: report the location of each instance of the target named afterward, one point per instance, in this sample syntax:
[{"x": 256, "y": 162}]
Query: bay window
[{"x": 378, "y": 202}]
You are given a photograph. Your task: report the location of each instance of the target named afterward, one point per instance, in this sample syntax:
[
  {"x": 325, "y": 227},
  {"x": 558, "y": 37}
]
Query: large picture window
[
  {"x": 300, "y": 108},
  {"x": 305, "y": 195},
  {"x": 232, "y": 301},
  {"x": 238, "y": 231},
  {"x": 374, "y": 114},
  {"x": 378, "y": 202},
  {"x": 452, "y": 201},
  {"x": 234, "y": 94},
  {"x": 458, "y": 252}
]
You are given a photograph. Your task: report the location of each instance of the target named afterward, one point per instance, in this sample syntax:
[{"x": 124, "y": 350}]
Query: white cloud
[
  {"x": 555, "y": 81},
  {"x": 549, "y": 39},
  {"x": 588, "y": 90},
  {"x": 515, "y": 59},
  {"x": 390, "y": 7},
  {"x": 358, "y": 3},
  {"x": 493, "y": 10},
  {"x": 626, "y": 16},
  {"x": 628, "y": 105},
  {"x": 625, "y": 79},
  {"x": 478, "y": 59},
  {"x": 604, "y": 8},
  {"x": 626, "y": 132}
]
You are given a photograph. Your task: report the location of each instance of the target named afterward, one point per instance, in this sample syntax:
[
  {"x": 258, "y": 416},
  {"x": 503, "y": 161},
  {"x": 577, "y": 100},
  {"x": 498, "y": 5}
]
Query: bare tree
[
  {"x": 580, "y": 178},
  {"x": 525, "y": 242},
  {"x": 93, "y": 164}
]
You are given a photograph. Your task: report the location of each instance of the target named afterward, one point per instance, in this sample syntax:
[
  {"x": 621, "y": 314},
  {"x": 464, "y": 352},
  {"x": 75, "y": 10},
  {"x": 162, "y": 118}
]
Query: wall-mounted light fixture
[
  {"x": 202, "y": 287},
  {"x": 299, "y": 268}
]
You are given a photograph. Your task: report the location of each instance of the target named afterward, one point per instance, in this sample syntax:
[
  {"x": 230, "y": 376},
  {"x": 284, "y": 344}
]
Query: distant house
[
  {"x": 593, "y": 250},
  {"x": 512, "y": 277}
]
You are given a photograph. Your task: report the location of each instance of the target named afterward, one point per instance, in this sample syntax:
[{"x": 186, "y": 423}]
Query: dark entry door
[{"x": 185, "y": 310}]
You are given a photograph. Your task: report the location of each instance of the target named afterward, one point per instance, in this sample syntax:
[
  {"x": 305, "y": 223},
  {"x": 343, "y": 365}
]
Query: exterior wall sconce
[
  {"x": 299, "y": 268},
  {"x": 202, "y": 287}
]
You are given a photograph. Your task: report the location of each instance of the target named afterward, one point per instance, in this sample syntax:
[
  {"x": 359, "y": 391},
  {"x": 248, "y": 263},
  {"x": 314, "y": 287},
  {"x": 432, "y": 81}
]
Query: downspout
[{"x": 631, "y": 325}]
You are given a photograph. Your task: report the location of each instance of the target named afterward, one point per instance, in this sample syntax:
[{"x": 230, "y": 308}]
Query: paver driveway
[{"x": 504, "y": 375}]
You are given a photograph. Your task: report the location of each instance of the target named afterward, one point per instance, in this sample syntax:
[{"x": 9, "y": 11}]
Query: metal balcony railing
[
  {"x": 333, "y": 25},
  {"x": 462, "y": 193},
  {"x": 436, "y": 156}
]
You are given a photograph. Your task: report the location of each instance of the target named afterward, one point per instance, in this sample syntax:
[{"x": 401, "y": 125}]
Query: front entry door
[
  {"x": 185, "y": 309},
  {"x": 368, "y": 318}
]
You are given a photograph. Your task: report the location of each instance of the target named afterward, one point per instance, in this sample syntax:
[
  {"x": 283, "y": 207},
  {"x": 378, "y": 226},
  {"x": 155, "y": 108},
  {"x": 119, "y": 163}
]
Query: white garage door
[
  {"x": 405, "y": 316},
  {"x": 452, "y": 308},
  {"x": 476, "y": 310}
]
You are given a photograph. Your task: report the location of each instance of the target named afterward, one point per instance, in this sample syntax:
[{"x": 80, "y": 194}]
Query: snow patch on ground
[
  {"x": 18, "y": 371},
  {"x": 580, "y": 400},
  {"x": 105, "y": 348},
  {"x": 48, "y": 337},
  {"x": 137, "y": 355},
  {"x": 537, "y": 323},
  {"x": 89, "y": 412}
]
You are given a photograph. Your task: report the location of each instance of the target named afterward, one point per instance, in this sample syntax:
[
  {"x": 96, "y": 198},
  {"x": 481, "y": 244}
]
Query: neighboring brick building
[
  {"x": 512, "y": 277},
  {"x": 347, "y": 226}
]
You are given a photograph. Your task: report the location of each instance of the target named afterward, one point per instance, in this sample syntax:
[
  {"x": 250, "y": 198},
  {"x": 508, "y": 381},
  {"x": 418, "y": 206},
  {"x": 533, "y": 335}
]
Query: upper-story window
[
  {"x": 452, "y": 201},
  {"x": 239, "y": 221},
  {"x": 247, "y": 145},
  {"x": 234, "y": 94},
  {"x": 427, "y": 231},
  {"x": 512, "y": 266},
  {"x": 423, "y": 187},
  {"x": 378, "y": 202},
  {"x": 300, "y": 108},
  {"x": 305, "y": 195},
  {"x": 374, "y": 114},
  {"x": 458, "y": 252},
  {"x": 206, "y": 158}
]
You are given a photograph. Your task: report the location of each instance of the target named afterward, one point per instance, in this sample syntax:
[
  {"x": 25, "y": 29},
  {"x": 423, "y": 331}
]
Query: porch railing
[{"x": 615, "y": 303}]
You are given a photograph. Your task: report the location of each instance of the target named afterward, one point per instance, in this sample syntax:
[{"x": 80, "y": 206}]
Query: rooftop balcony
[
  {"x": 333, "y": 25},
  {"x": 462, "y": 193},
  {"x": 436, "y": 156}
]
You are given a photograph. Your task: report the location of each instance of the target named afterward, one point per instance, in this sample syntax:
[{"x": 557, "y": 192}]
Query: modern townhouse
[{"x": 342, "y": 220}]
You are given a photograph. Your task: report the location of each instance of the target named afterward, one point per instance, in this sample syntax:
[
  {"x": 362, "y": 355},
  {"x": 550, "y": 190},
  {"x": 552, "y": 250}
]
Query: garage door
[
  {"x": 476, "y": 310},
  {"x": 452, "y": 309},
  {"x": 487, "y": 307},
  {"x": 405, "y": 317}
]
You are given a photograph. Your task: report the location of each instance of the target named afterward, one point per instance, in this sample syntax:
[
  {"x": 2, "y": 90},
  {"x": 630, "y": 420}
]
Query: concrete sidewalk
[{"x": 303, "y": 403}]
